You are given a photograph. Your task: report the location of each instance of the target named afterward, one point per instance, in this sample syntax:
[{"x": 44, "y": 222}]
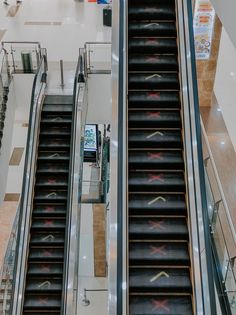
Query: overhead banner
[{"x": 203, "y": 24}]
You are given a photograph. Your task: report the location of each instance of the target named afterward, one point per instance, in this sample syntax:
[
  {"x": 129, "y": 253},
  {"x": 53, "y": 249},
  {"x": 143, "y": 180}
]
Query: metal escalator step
[
  {"x": 57, "y": 108},
  {"x": 48, "y": 224},
  {"x": 158, "y": 29},
  {"x": 50, "y": 195},
  {"x": 53, "y": 168},
  {"x": 55, "y": 131},
  {"x": 45, "y": 268},
  {"x": 47, "y": 237},
  {"x": 56, "y": 119},
  {"x": 156, "y": 159},
  {"x": 53, "y": 156},
  {"x": 144, "y": 62},
  {"x": 155, "y": 181},
  {"x": 155, "y": 138},
  {"x": 158, "y": 228},
  {"x": 49, "y": 210},
  {"x": 58, "y": 99},
  {"x": 154, "y": 119},
  {"x": 157, "y": 204},
  {"x": 145, "y": 100},
  {"x": 43, "y": 285},
  {"x": 153, "y": 45},
  {"x": 158, "y": 253},
  {"x": 156, "y": 81},
  {"x": 52, "y": 180},
  {"x": 42, "y": 302},
  {"x": 152, "y": 12},
  {"x": 171, "y": 280},
  {"x": 47, "y": 254},
  {"x": 56, "y": 143},
  {"x": 160, "y": 305}
]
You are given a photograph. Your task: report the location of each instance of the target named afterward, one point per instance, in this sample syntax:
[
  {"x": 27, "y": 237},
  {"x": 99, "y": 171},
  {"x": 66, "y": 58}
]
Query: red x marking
[
  {"x": 152, "y": 156},
  {"x": 158, "y": 250},
  {"x": 153, "y": 178},
  {"x": 43, "y": 301},
  {"x": 163, "y": 305},
  {"x": 151, "y": 41},
  {"x": 50, "y": 209},
  {"x": 47, "y": 253},
  {"x": 51, "y": 181},
  {"x": 155, "y": 95},
  {"x": 153, "y": 59},
  {"x": 154, "y": 114},
  {"x": 48, "y": 222},
  {"x": 45, "y": 268},
  {"x": 156, "y": 225}
]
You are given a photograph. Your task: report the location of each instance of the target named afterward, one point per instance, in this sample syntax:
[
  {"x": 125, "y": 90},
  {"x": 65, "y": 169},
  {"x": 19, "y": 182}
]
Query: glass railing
[
  {"x": 222, "y": 230},
  {"x": 98, "y": 57},
  {"x": 23, "y": 57}
]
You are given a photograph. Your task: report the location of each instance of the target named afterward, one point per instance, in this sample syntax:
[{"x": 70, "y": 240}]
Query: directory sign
[{"x": 203, "y": 24}]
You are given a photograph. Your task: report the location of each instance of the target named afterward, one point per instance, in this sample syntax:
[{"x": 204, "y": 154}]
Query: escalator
[
  {"x": 158, "y": 228},
  {"x": 46, "y": 250}
]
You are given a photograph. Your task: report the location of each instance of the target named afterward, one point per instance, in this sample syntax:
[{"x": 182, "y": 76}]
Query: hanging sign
[
  {"x": 103, "y": 1},
  {"x": 203, "y": 24}
]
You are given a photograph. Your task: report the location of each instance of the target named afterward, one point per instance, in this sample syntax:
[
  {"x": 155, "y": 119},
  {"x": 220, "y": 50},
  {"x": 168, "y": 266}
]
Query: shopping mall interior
[{"x": 117, "y": 157}]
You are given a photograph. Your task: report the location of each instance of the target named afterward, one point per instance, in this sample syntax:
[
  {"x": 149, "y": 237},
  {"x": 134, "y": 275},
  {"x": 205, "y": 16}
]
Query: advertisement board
[{"x": 203, "y": 24}]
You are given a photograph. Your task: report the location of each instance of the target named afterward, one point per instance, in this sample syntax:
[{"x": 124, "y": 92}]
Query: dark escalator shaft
[
  {"x": 44, "y": 277},
  {"x": 159, "y": 260}
]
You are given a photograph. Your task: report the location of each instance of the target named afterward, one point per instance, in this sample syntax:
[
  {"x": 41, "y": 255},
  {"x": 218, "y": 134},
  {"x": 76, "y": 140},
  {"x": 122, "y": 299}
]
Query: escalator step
[
  {"x": 50, "y": 195},
  {"x": 56, "y": 143},
  {"x": 154, "y": 119},
  {"x": 58, "y": 99},
  {"x": 153, "y": 45},
  {"x": 58, "y": 108},
  {"x": 49, "y": 224},
  {"x": 49, "y": 210},
  {"x": 43, "y": 285},
  {"x": 47, "y": 238},
  {"x": 45, "y": 269},
  {"x": 155, "y": 181},
  {"x": 53, "y": 168},
  {"x": 52, "y": 180},
  {"x": 158, "y": 253},
  {"x": 158, "y": 29},
  {"x": 140, "y": 100},
  {"x": 144, "y": 62},
  {"x": 152, "y": 12},
  {"x": 156, "y": 228},
  {"x": 160, "y": 305},
  {"x": 62, "y": 132},
  {"x": 156, "y": 159},
  {"x": 155, "y": 139},
  {"x": 157, "y": 204},
  {"x": 56, "y": 120},
  {"x": 157, "y": 81},
  {"x": 53, "y": 156},
  {"x": 43, "y": 302},
  {"x": 47, "y": 254},
  {"x": 171, "y": 280}
]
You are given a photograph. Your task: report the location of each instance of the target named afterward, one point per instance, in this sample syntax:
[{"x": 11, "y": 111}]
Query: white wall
[
  {"x": 225, "y": 84},
  {"x": 99, "y": 99},
  {"x": 226, "y": 9}
]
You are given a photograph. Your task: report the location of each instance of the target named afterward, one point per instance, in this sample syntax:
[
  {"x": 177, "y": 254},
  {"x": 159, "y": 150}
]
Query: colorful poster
[
  {"x": 103, "y": 1},
  {"x": 203, "y": 24},
  {"x": 90, "y": 139}
]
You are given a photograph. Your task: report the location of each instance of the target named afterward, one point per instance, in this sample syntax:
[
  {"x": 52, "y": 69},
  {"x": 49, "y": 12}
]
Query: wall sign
[{"x": 203, "y": 24}]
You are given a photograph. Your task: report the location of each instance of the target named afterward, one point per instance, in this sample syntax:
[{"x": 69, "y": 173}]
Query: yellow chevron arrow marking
[
  {"x": 44, "y": 284},
  {"x": 150, "y": 24},
  {"x": 51, "y": 194},
  {"x": 154, "y": 134},
  {"x": 156, "y": 199},
  {"x": 153, "y": 76},
  {"x": 159, "y": 275}
]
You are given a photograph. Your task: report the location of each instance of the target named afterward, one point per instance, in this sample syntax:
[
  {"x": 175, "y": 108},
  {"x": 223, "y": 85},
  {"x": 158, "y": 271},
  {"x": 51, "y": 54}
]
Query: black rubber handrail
[
  {"x": 43, "y": 63},
  {"x": 206, "y": 223}
]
